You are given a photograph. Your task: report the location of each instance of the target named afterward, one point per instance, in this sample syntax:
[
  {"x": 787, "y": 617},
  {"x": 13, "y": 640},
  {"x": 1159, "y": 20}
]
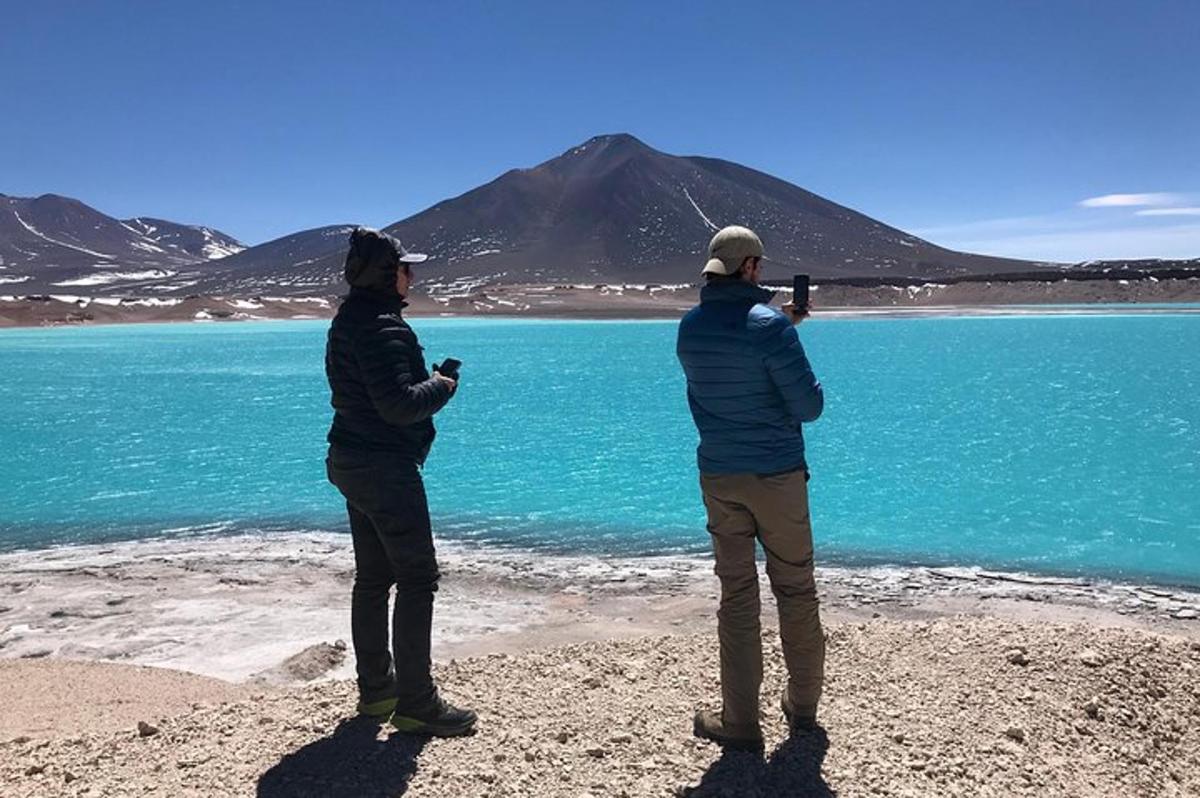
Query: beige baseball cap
[{"x": 729, "y": 248}]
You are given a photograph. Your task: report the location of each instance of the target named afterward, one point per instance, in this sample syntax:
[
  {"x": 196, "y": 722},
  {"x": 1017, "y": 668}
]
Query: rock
[
  {"x": 22, "y": 739},
  {"x": 1091, "y": 658},
  {"x": 898, "y": 737},
  {"x": 530, "y": 756},
  {"x": 1092, "y": 709},
  {"x": 1083, "y": 728},
  {"x": 596, "y": 751},
  {"x": 1015, "y": 733},
  {"x": 564, "y": 736},
  {"x": 1016, "y": 656},
  {"x": 312, "y": 662},
  {"x": 145, "y": 729},
  {"x": 592, "y": 682},
  {"x": 69, "y": 777},
  {"x": 35, "y": 770},
  {"x": 340, "y": 645},
  {"x": 1186, "y": 614},
  {"x": 621, "y": 738}
]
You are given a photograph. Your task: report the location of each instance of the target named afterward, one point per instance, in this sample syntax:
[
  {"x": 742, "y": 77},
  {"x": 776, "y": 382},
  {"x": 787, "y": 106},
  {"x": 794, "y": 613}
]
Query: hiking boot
[
  {"x": 377, "y": 710},
  {"x": 799, "y": 718},
  {"x": 439, "y": 719},
  {"x": 709, "y": 726}
]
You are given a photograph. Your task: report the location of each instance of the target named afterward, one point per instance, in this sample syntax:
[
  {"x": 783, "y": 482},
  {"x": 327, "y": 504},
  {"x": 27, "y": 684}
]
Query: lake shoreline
[
  {"x": 212, "y": 605},
  {"x": 600, "y": 302}
]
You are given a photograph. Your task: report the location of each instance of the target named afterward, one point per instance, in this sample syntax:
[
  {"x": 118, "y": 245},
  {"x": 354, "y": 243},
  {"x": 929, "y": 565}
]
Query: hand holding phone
[
  {"x": 448, "y": 368},
  {"x": 799, "y": 306}
]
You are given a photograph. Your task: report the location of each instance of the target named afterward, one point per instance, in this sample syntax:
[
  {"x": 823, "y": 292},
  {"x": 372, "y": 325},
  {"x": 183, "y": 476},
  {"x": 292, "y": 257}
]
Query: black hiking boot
[
  {"x": 439, "y": 719},
  {"x": 709, "y": 726}
]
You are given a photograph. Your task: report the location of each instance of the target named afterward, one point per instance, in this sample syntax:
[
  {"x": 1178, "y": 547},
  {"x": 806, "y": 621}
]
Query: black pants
[{"x": 393, "y": 545}]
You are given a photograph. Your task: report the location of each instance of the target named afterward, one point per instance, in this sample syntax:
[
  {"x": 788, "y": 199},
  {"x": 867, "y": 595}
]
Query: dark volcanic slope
[
  {"x": 53, "y": 243},
  {"x": 615, "y": 210}
]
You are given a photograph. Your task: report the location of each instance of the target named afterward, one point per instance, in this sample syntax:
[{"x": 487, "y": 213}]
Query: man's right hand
[
  {"x": 453, "y": 383},
  {"x": 797, "y": 315}
]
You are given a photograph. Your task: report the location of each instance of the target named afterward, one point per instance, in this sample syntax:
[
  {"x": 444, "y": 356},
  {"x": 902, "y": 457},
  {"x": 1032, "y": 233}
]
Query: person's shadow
[
  {"x": 792, "y": 769},
  {"x": 350, "y": 762}
]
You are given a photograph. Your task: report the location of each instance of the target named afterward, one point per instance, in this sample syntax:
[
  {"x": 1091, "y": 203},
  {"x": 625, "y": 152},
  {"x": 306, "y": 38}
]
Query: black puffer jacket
[{"x": 383, "y": 396}]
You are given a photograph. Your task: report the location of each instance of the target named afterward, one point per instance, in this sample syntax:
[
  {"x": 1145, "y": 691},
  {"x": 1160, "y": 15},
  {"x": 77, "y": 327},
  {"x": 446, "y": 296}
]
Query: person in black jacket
[{"x": 384, "y": 400}]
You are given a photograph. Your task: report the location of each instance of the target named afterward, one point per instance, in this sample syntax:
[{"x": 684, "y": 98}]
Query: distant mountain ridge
[
  {"x": 58, "y": 243},
  {"x": 615, "y": 210},
  {"x": 610, "y": 210}
]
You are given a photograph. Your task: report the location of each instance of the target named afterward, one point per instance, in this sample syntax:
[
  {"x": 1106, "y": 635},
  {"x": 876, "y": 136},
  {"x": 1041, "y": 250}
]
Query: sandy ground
[
  {"x": 942, "y": 681},
  {"x": 47, "y": 698},
  {"x": 600, "y": 301}
]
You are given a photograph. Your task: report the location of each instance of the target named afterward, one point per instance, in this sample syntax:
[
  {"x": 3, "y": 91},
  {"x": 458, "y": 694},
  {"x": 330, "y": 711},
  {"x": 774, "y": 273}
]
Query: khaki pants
[{"x": 773, "y": 510}]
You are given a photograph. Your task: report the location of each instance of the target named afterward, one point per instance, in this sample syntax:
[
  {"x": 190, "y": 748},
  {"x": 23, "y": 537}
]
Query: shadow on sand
[
  {"x": 352, "y": 761},
  {"x": 792, "y": 769}
]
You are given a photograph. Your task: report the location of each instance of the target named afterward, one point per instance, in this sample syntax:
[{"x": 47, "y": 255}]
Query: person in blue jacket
[{"x": 750, "y": 388}]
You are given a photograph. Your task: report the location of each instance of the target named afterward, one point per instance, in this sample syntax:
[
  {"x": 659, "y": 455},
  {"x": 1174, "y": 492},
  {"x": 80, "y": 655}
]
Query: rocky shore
[{"x": 955, "y": 706}]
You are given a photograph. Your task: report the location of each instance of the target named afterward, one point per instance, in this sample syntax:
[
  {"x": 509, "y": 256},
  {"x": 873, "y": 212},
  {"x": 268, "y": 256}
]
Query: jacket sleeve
[
  {"x": 789, "y": 368},
  {"x": 384, "y": 352}
]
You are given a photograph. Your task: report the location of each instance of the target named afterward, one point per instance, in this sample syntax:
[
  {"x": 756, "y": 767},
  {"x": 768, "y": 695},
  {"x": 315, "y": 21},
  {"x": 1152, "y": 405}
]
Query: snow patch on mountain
[
  {"x": 107, "y": 278},
  {"x": 707, "y": 221},
  {"x": 37, "y": 233}
]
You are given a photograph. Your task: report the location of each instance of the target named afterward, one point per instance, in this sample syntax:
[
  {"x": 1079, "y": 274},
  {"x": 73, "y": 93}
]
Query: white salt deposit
[{"x": 211, "y": 604}]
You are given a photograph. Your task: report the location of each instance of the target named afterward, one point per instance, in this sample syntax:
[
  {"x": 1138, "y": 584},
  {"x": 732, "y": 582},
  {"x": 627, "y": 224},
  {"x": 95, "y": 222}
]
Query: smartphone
[
  {"x": 800, "y": 291},
  {"x": 449, "y": 368}
]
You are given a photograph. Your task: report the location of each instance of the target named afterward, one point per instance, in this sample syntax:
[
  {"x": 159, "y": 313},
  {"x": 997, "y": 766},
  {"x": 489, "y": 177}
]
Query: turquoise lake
[{"x": 1055, "y": 444}]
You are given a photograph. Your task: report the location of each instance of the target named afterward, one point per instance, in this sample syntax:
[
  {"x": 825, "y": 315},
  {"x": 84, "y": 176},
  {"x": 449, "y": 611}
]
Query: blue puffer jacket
[{"x": 749, "y": 382}]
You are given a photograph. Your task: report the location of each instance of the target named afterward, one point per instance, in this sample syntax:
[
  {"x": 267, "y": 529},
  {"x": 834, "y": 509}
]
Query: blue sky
[{"x": 985, "y": 126}]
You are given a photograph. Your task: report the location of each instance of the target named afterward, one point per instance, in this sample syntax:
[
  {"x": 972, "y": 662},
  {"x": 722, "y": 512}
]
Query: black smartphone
[
  {"x": 449, "y": 368},
  {"x": 800, "y": 291}
]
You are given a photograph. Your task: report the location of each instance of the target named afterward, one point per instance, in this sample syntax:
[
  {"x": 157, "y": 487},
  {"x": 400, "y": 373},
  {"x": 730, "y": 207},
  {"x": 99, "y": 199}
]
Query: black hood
[{"x": 372, "y": 261}]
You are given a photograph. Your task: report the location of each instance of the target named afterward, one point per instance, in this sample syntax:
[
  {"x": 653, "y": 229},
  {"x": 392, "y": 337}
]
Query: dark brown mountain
[
  {"x": 53, "y": 243},
  {"x": 614, "y": 210}
]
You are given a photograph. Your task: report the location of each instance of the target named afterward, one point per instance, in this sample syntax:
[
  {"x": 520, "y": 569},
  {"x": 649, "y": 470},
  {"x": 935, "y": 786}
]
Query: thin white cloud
[
  {"x": 1168, "y": 212},
  {"x": 1132, "y": 200}
]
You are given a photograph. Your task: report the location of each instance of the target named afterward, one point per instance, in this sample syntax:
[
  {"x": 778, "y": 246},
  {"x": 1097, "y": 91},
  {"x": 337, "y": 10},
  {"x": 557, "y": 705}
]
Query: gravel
[{"x": 912, "y": 708}]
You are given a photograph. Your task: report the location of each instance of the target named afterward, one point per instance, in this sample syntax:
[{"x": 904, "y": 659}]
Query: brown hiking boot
[
  {"x": 799, "y": 718},
  {"x": 709, "y": 726}
]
